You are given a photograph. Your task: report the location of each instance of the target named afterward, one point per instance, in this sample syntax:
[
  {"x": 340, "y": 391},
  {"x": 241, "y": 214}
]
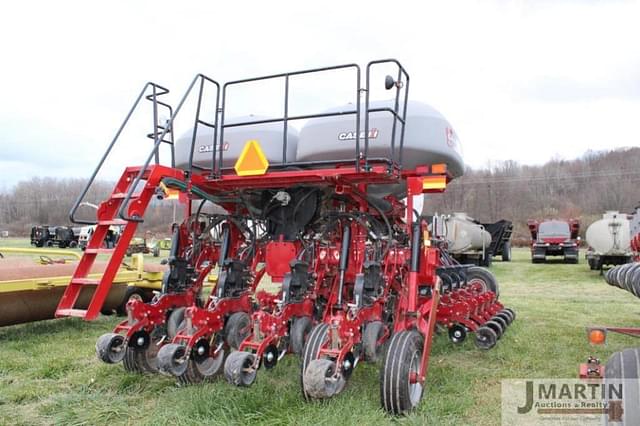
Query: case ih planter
[
  {"x": 320, "y": 212},
  {"x": 554, "y": 238}
]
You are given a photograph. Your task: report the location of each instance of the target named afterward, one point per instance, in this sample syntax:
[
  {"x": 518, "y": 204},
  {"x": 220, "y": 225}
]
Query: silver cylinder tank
[
  {"x": 464, "y": 234},
  {"x": 268, "y": 135},
  {"x": 610, "y": 235}
]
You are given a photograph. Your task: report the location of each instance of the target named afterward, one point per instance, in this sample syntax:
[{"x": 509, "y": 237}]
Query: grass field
[{"x": 49, "y": 373}]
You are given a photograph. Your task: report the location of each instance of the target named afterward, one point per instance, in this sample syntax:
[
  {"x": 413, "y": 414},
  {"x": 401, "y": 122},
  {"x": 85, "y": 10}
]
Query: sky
[{"x": 519, "y": 80}]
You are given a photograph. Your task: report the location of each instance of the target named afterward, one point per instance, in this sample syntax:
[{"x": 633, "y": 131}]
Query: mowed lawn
[{"x": 49, "y": 373}]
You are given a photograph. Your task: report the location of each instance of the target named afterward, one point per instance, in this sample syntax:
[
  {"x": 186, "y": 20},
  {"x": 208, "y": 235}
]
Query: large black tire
[
  {"x": 402, "y": 359},
  {"x": 485, "y": 277},
  {"x": 237, "y": 329},
  {"x": 311, "y": 349},
  {"x": 486, "y": 262},
  {"x": 130, "y": 294},
  {"x": 300, "y": 329},
  {"x": 506, "y": 251},
  {"x": 174, "y": 322},
  {"x": 625, "y": 365},
  {"x": 373, "y": 331}
]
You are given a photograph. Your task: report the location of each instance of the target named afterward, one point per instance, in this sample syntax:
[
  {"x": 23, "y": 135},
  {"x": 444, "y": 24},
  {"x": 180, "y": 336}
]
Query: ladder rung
[
  {"x": 98, "y": 251},
  {"x": 122, "y": 195},
  {"x": 85, "y": 281},
  {"x": 80, "y": 313},
  {"x": 112, "y": 222}
]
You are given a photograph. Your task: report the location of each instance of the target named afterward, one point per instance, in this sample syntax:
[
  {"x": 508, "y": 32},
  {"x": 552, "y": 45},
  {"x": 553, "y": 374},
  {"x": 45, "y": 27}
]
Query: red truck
[{"x": 554, "y": 238}]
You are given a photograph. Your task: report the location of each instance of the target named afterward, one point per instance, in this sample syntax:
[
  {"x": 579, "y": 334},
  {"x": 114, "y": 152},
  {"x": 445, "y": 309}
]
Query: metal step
[{"x": 78, "y": 313}]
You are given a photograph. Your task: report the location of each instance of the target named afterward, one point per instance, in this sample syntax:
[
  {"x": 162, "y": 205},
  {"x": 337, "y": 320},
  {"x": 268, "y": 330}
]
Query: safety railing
[{"x": 156, "y": 92}]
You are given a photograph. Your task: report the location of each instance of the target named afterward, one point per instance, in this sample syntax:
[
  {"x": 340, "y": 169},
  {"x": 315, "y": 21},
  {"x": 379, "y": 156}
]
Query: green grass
[{"x": 49, "y": 373}]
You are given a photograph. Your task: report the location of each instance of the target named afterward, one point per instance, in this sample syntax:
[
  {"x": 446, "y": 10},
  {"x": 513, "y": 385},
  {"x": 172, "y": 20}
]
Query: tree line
[{"x": 583, "y": 188}]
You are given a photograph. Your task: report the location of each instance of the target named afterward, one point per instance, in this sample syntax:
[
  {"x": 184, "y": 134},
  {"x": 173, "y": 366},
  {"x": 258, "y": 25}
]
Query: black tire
[
  {"x": 486, "y": 338},
  {"x": 373, "y": 331},
  {"x": 110, "y": 348},
  {"x": 300, "y": 329},
  {"x": 130, "y": 294},
  {"x": 318, "y": 379},
  {"x": 505, "y": 316},
  {"x": 203, "y": 370},
  {"x": 402, "y": 359},
  {"x": 496, "y": 327},
  {"x": 73, "y": 244},
  {"x": 502, "y": 320},
  {"x": 238, "y": 368},
  {"x": 625, "y": 365},
  {"x": 174, "y": 322},
  {"x": 485, "y": 277},
  {"x": 311, "y": 349},
  {"x": 512, "y": 312},
  {"x": 592, "y": 263},
  {"x": 486, "y": 262},
  {"x": 506, "y": 251},
  {"x": 237, "y": 329},
  {"x": 156, "y": 251}
]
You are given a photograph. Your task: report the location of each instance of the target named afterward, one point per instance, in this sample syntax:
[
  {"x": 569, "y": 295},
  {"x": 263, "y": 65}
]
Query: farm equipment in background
[
  {"x": 470, "y": 241},
  {"x": 621, "y": 368},
  {"x": 634, "y": 227},
  {"x": 50, "y": 236},
  {"x": 144, "y": 246},
  {"x": 30, "y": 290},
  {"x": 356, "y": 275},
  {"x": 554, "y": 238},
  {"x": 609, "y": 241},
  {"x": 110, "y": 240}
]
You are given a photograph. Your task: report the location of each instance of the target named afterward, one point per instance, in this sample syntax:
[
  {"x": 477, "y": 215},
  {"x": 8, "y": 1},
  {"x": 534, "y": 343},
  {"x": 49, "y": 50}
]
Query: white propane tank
[
  {"x": 464, "y": 234},
  {"x": 610, "y": 235}
]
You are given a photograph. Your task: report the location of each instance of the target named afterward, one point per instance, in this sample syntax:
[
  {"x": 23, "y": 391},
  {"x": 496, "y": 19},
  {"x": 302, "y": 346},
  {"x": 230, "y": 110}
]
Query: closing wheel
[
  {"x": 316, "y": 339},
  {"x": 172, "y": 359},
  {"x": 300, "y": 330},
  {"x": 502, "y": 321},
  {"x": 496, "y": 327},
  {"x": 486, "y": 338},
  {"x": 457, "y": 333},
  {"x": 240, "y": 369},
  {"x": 400, "y": 389},
  {"x": 506, "y": 317},
  {"x": 110, "y": 348},
  {"x": 142, "y": 352},
  {"x": 237, "y": 328},
  {"x": 512, "y": 312},
  {"x": 373, "y": 332},
  {"x": 320, "y": 380}
]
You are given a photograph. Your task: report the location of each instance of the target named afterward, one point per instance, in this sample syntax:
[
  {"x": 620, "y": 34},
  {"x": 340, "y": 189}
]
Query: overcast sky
[{"x": 521, "y": 80}]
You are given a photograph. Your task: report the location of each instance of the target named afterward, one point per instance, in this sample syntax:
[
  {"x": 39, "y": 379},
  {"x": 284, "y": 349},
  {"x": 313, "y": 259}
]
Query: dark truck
[
  {"x": 49, "y": 236},
  {"x": 554, "y": 238}
]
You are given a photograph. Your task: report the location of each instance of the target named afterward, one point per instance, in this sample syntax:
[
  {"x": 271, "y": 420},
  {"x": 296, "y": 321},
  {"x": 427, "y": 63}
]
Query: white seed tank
[
  {"x": 269, "y": 135},
  {"x": 610, "y": 235},
  {"x": 463, "y": 233}
]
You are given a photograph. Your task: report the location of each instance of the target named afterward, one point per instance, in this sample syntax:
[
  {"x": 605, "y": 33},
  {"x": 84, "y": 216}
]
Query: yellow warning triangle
[{"x": 252, "y": 160}]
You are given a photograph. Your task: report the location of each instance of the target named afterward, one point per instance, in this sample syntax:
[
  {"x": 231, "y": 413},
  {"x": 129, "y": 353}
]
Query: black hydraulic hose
[
  {"x": 344, "y": 259},
  {"x": 224, "y": 246},
  {"x": 415, "y": 247}
]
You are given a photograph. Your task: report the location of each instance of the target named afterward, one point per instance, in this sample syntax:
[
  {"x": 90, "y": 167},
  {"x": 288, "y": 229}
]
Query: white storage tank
[
  {"x": 428, "y": 139},
  {"x": 269, "y": 135},
  {"x": 463, "y": 234},
  {"x": 610, "y": 235}
]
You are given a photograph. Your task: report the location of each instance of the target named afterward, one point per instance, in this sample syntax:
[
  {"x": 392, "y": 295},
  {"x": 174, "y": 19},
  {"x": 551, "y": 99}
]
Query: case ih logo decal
[
  {"x": 209, "y": 148},
  {"x": 452, "y": 138},
  {"x": 351, "y": 136}
]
